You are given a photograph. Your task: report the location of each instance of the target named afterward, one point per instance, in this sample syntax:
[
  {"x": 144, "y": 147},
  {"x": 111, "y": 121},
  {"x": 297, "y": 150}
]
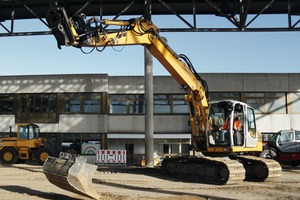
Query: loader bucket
[{"x": 71, "y": 173}]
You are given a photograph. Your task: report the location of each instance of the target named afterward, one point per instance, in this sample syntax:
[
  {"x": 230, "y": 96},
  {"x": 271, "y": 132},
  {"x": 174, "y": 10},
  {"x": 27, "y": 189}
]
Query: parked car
[{"x": 284, "y": 147}]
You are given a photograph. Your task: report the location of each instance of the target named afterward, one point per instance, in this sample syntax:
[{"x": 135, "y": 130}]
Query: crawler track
[
  {"x": 260, "y": 169},
  {"x": 206, "y": 169},
  {"x": 223, "y": 171}
]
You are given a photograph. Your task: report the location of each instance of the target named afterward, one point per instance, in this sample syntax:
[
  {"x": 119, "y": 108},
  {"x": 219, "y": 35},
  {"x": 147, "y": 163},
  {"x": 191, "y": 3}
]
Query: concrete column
[
  {"x": 104, "y": 142},
  {"x": 149, "y": 130},
  {"x": 149, "y": 143}
]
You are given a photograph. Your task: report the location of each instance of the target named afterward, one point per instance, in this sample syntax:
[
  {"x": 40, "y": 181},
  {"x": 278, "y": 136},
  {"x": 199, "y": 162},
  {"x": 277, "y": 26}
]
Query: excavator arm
[
  {"x": 80, "y": 33},
  {"x": 70, "y": 172}
]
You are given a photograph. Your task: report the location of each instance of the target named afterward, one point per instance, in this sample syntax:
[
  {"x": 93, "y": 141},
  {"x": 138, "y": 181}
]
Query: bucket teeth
[{"x": 71, "y": 173}]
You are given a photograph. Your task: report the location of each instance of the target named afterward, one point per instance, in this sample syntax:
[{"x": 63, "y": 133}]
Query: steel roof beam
[{"x": 236, "y": 12}]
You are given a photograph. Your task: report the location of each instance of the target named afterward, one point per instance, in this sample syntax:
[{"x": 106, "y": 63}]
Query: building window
[
  {"x": 7, "y": 103},
  {"x": 162, "y": 104},
  {"x": 81, "y": 103},
  {"x": 267, "y": 102},
  {"x": 92, "y": 103},
  {"x": 170, "y": 104},
  {"x": 215, "y": 96},
  {"x": 174, "y": 148},
  {"x": 39, "y": 108},
  {"x": 135, "y": 104},
  {"x": 166, "y": 149},
  {"x": 179, "y": 105},
  {"x": 127, "y": 104}
]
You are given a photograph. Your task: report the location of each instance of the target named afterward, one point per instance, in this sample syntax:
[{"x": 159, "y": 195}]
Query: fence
[{"x": 111, "y": 156}]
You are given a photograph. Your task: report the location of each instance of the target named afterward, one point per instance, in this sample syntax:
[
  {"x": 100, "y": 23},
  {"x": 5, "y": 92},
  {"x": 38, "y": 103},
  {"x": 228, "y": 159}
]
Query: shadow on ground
[
  {"x": 31, "y": 192},
  {"x": 153, "y": 172}
]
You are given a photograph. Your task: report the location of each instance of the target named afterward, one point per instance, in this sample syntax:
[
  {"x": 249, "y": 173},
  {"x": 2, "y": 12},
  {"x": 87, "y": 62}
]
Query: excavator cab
[
  {"x": 28, "y": 131},
  {"x": 231, "y": 127}
]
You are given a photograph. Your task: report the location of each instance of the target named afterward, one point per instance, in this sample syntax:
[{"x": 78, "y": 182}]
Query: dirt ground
[{"x": 28, "y": 182}]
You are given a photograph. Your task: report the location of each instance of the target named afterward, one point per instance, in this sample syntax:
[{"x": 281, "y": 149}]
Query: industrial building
[{"x": 91, "y": 111}]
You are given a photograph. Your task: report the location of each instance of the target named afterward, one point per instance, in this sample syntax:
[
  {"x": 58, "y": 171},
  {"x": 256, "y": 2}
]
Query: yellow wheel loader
[
  {"x": 205, "y": 117},
  {"x": 24, "y": 145}
]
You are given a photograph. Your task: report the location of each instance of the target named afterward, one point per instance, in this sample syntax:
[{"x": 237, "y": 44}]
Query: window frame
[
  {"x": 75, "y": 103},
  {"x": 7, "y": 104},
  {"x": 170, "y": 102},
  {"x": 217, "y": 96},
  {"x": 131, "y": 104},
  {"x": 37, "y": 107},
  {"x": 264, "y": 101}
]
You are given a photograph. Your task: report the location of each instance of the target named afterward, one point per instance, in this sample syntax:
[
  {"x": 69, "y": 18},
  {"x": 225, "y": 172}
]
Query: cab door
[
  {"x": 250, "y": 128},
  {"x": 23, "y": 136}
]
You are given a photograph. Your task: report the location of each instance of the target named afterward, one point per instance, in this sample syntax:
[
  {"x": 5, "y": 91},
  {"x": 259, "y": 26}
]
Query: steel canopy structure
[{"x": 240, "y": 13}]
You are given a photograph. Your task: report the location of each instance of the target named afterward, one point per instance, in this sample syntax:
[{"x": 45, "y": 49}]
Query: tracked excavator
[{"x": 228, "y": 156}]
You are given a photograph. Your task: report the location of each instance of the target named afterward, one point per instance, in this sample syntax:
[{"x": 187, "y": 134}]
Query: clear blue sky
[{"x": 258, "y": 52}]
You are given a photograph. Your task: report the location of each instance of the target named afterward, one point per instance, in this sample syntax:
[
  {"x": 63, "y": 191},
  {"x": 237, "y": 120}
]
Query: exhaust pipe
[{"x": 71, "y": 173}]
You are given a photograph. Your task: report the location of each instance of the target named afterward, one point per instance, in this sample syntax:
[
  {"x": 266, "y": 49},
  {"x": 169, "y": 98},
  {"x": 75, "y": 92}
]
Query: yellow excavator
[{"x": 228, "y": 156}]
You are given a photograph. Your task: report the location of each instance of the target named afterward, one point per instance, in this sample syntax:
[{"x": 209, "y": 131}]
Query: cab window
[
  {"x": 286, "y": 136},
  {"x": 297, "y": 135},
  {"x": 23, "y": 132}
]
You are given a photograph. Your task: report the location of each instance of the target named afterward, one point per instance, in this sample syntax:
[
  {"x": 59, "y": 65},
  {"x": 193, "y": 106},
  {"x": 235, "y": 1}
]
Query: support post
[{"x": 149, "y": 130}]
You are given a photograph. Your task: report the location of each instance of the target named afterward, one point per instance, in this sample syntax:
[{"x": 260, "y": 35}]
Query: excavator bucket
[{"x": 71, "y": 173}]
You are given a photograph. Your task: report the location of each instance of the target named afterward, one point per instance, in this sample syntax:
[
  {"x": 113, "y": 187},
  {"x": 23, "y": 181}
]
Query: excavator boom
[{"x": 138, "y": 31}]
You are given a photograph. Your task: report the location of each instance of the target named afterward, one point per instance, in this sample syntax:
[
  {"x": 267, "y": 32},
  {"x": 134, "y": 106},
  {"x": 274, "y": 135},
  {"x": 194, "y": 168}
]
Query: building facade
[{"x": 91, "y": 111}]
